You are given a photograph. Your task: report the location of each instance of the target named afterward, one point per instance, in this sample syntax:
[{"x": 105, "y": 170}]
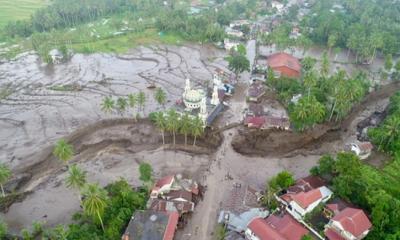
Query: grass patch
[
  {"x": 122, "y": 43},
  {"x": 66, "y": 88},
  {"x": 5, "y": 92},
  {"x": 11, "y": 10}
]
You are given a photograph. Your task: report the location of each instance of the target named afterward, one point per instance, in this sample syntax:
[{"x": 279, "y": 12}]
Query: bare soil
[{"x": 278, "y": 143}]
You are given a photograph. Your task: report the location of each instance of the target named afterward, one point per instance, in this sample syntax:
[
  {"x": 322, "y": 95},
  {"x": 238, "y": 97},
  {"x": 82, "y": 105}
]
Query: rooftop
[
  {"x": 353, "y": 220},
  {"x": 283, "y": 59},
  {"x": 152, "y": 225}
]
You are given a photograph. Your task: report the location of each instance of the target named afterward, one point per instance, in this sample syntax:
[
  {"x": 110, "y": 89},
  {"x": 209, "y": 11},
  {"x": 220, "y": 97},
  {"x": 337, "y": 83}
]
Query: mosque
[{"x": 197, "y": 102}]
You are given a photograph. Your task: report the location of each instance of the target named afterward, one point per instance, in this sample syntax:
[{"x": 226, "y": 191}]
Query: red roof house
[
  {"x": 162, "y": 185},
  {"x": 285, "y": 65},
  {"x": 305, "y": 199},
  {"x": 351, "y": 223},
  {"x": 254, "y": 122},
  {"x": 276, "y": 228}
]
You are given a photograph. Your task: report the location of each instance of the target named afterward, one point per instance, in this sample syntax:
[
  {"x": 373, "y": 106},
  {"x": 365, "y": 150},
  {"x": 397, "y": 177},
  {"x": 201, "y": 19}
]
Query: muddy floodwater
[
  {"x": 41, "y": 104},
  {"x": 34, "y": 115}
]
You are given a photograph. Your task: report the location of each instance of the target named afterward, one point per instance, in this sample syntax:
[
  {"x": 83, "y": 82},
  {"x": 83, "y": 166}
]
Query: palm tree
[
  {"x": 122, "y": 103},
  {"x": 5, "y": 174},
  {"x": 76, "y": 179},
  {"x": 310, "y": 80},
  {"x": 197, "y": 129},
  {"x": 161, "y": 123},
  {"x": 160, "y": 96},
  {"x": 172, "y": 122},
  {"x": 63, "y": 151},
  {"x": 95, "y": 200},
  {"x": 185, "y": 126},
  {"x": 107, "y": 105},
  {"x": 141, "y": 100},
  {"x": 132, "y": 101}
]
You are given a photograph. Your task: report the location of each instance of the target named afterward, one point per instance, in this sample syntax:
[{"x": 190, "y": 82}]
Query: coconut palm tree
[
  {"x": 197, "y": 129},
  {"x": 107, "y": 105},
  {"x": 122, "y": 103},
  {"x": 132, "y": 101},
  {"x": 172, "y": 122},
  {"x": 161, "y": 123},
  {"x": 63, "y": 151},
  {"x": 160, "y": 96},
  {"x": 76, "y": 179},
  {"x": 95, "y": 200},
  {"x": 5, "y": 174},
  {"x": 141, "y": 100},
  {"x": 185, "y": 124}
]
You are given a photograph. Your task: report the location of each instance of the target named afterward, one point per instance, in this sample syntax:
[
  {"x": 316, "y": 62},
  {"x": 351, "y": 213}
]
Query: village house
[
  {"x": 234, "y": 33},
  {"x": 305, "y": 196},
  {"x": 267, "y": 122},
  {"x": 230, "y": 44},
  {"x": 284, "y": 65},
  {"x": 348, "y": 224},
  {"x": 150, "y": 225},
  {"x": 275, "y": 227},
  {"x": 174, "y": 186}
]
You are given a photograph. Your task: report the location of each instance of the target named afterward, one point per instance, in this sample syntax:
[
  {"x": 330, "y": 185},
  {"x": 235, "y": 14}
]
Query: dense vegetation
[
  {"x": 119, "y": 202},
  {"x": 374, "y": 190},
  {"x": 323, "y": 97},
  {"x": 115, "y": 26},
  {"x": 387, "y": 136},
  {"x": 362, "y": 26}
]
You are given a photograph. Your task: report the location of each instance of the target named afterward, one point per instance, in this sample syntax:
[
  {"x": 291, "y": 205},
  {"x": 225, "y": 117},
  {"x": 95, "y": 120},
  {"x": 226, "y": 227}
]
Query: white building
[
  {"x": 278, "y": 6},
  {"x": 349, "y": 224},
  {"x": 305, "y": 202},
  {"x": 192, "y": 98}
]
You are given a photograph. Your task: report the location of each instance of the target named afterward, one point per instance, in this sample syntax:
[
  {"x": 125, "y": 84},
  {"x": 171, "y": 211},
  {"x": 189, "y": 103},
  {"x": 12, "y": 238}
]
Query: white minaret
[
  {"x": 203, "y": 110},
  {"x": 215, "y": 98},
  {"x": 187, "y": 86}
]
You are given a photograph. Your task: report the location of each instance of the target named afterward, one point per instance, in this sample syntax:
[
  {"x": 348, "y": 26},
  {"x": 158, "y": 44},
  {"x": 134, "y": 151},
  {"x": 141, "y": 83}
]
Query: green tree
[
  {"x": 132, "y": 101},
  {"x": 5, "y": 174},
  {"x": 306, "y": 237},
  {"x": 241, "y": 50},
  {"x": 283, "y": 180},
  {"x": 397, "y": 66},
  {"x": 308, "y": 63},
  {"x": 185, "y": 125},
  {"x": 238, "y": 64},
  {"x": 107, "y": 105},
  {"x": 388, "y": 62},
  {"x": 306, "y": 113},
  {"x": 95, "y": 200},
  {"x": 3, "y": 229},
  {"x": 161, "y": 123},
  {"x": 310, "y": 81},
  {"x": 332, "y": 39},
  {"x": 63, "y": 151},
  {"x": 197, "y": 129},
  {"x": 387, "y": 136},
  {"x": 160, "y": 96},
  {"x": 76, "y": 179},
  {"x": 326, "y": 165},
  {"x": 146, "y": 172},
  {"x": 141, "y": 100},
  {"x": 325, "y": 65},
  {"x": 172, "y": 122},
  {"x": 122, "y": 104}
]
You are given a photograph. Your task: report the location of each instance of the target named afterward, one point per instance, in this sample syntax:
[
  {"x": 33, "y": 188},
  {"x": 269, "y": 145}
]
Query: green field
[{"x": 18, "y": 9}]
